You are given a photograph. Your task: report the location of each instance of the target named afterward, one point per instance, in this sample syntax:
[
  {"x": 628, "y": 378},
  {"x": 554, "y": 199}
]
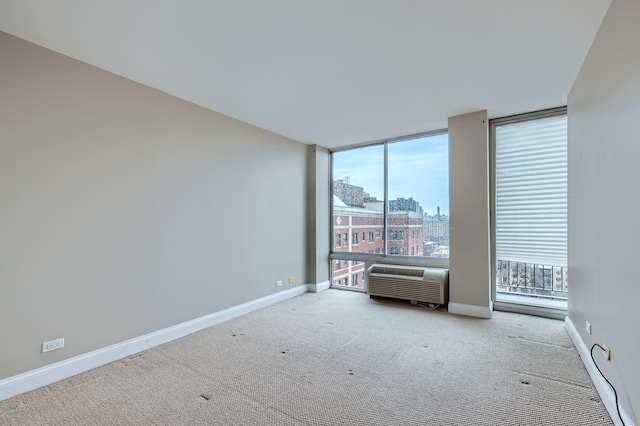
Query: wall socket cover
[{"x": 52, "y": 345}]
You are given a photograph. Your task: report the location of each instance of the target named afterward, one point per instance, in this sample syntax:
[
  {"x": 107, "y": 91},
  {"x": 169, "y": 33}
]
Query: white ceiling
[{"x": 331, "y": 72}]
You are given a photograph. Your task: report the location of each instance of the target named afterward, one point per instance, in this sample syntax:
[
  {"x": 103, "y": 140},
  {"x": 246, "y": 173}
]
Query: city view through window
[
  {"x": 418, "y": 206},
  {"x": 530, "y": 223}
]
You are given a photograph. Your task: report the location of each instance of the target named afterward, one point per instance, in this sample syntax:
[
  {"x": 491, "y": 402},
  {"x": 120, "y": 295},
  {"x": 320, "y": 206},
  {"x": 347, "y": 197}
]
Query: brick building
[
  {"x": 406, "y": 233},
  {"x": 351, "y": 195},
  {"x": 358, "y": 227},
  {"x": 355, "y": 230}
]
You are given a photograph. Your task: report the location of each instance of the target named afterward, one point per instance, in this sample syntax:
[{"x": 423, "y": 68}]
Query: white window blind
[{"x": 531, "y": 191}]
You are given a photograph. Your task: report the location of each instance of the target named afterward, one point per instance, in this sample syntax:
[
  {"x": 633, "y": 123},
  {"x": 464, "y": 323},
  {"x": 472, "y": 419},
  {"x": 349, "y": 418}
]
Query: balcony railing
[{"x": 544, "y": 281}]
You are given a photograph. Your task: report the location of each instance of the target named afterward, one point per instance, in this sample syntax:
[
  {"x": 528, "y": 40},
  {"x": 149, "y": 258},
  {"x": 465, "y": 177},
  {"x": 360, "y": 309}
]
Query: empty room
[{"x": 358, "y": 212}]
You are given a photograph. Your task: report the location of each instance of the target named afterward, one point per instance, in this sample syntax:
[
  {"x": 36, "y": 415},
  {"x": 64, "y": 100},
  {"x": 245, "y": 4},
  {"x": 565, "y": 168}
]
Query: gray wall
[
  {"x": 604, "y": 200},
  {"x": 125, "y": 210},
  {"x": 469, "y": 262}
]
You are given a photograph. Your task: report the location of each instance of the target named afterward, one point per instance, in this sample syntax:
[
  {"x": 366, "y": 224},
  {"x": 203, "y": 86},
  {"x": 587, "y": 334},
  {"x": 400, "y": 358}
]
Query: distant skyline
[{"x": 418, "y": 169}]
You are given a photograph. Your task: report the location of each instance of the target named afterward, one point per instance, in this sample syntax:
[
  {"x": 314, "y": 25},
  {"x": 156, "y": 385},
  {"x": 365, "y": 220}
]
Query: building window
[
  {"x": 378, "y": 233},
  {"x": 396, "y": 235},
  {"x": 338, "y": 240},
  {"x": 354, "y": 238},
  {"x": 354, "y": 280},
  {"x": 378, "y": 250},
  {"x": 370, "y": 237}
]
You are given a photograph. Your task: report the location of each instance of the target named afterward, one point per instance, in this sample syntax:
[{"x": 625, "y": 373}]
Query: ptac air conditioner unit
[{"x": 430, "y": 285}]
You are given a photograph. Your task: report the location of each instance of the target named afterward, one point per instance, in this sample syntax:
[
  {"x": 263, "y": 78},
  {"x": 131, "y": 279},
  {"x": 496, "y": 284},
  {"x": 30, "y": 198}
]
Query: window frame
[
  {"x": 383, "y": 257},
  {"x": 543, "y": 311}
]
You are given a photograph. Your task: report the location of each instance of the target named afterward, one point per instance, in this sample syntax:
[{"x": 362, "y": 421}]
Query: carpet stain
[
  {"x": 552, "y": 379},
  {"x": 205, "y": 397},
  {"x": 555, "y": 345}
]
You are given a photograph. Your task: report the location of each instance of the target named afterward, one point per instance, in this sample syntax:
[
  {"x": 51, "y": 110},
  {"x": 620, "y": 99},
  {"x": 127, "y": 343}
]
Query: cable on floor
[
  {"x": 607, "y": 380},
  {"x": 432, "y": 306}
]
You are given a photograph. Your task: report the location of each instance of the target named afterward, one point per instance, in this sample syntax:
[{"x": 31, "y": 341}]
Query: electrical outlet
[
  {"x": 606, "y": 352},
  {"x": 278, "y": 283},
  {"x": 292, "y": 280},
  {"x": 52, "y": 345},
  {"x": 588, "y": 327}
]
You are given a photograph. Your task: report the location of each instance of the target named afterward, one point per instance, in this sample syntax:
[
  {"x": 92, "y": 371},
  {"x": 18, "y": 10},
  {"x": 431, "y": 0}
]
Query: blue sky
[{"x": 418, "y": 168}]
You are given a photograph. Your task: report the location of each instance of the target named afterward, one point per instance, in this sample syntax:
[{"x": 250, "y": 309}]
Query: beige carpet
[{"x": 335, "y": 358}]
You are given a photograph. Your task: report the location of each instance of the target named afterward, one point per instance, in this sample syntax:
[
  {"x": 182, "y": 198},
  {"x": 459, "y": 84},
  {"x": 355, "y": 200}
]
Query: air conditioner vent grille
[
  {"x": 391, "y": 270},
  {"x": 410, "y": 283}
]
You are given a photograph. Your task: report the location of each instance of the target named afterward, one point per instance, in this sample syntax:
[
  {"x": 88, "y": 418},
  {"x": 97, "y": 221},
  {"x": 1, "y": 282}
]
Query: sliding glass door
[{"x": 530, "y": 210}]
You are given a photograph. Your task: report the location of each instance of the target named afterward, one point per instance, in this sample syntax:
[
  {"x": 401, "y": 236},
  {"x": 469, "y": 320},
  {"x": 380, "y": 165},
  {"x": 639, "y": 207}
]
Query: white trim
[
  {"x": 540, "y": 311},
  {"x": 471, "y": 310},
  {"x": 48, "y": 374},
  {"x": 604, "y": 390},
  {"x": 317, "y": 288}
]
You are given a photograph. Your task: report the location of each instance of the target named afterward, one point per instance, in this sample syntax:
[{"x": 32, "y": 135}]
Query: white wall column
[{"x": 470, "y": 254}]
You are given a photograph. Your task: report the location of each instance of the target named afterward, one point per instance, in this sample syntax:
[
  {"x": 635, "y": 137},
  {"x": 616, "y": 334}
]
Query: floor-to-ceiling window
[
  {"x": 530, "y": 210},
  {"x": 389, "y": 200}
]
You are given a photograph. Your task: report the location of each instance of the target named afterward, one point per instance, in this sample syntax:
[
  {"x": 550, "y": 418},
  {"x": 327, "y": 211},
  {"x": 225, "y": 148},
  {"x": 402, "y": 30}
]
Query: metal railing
[{"x": 531, "y": 279}]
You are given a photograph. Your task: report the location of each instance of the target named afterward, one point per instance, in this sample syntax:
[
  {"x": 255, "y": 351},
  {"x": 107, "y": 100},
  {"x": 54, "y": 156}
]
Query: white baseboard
[
  {"x": 46, "y": 375},
  {"x": 471, "y": 310},
  {"x": 317, "y": 288},
  {"x": 604, "y": 390}
]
